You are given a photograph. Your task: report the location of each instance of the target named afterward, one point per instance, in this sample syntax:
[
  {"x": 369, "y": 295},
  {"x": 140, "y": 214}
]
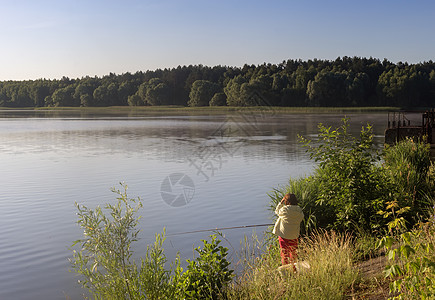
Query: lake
[{"x": 192, "y": 172}]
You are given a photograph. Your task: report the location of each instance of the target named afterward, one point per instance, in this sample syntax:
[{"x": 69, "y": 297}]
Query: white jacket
[{"x": 289, "y": 219}]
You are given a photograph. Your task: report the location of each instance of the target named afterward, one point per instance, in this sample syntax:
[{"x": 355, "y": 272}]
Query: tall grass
[
  {"x": 306, "y": 191},
  {"x": 409, "y": 171},
  {"x": 329, "y": 255}
]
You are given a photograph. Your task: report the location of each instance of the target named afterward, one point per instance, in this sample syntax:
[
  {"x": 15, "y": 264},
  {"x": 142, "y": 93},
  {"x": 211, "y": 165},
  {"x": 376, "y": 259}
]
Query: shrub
[
  {"x": 209, "y": 274},
  {"x": 104, "y": 258},
  {"x": 349, "y": 181},
  {"x": 155, "y": 281},
  {"x": 105, "y": 262},
  {"x": 412, "y": 262},
  {"x": 411, "y": 253}
]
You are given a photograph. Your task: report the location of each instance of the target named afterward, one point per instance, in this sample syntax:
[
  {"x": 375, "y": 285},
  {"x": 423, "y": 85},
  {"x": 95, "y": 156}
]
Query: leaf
[
  {"x": 414, "y": 266},
  {"x": 406, "y": 237},
  {"x": 396, "y": 270},
  {"x": 403, "y": 210},
  {"x": 388, "y": 271},
  {"x": 389, "y": 242},
  {"x": 76, "y": 242},
  {"x": 391, "y": 204},
  {"x": 392, "y": 254}
]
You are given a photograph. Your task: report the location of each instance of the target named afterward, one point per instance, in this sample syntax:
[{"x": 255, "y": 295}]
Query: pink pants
[{"x": 288, "y": 250}]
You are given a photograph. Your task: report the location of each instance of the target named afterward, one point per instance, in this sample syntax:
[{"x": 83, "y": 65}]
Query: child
[{"x": 287, "y": 227}]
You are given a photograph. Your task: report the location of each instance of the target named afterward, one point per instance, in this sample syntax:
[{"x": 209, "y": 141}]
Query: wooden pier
[{"x": 400, "y": 127}]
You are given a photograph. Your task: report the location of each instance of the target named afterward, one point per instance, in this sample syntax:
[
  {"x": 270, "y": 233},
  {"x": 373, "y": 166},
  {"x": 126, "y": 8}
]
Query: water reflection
[{"x": 170, "y": 138}]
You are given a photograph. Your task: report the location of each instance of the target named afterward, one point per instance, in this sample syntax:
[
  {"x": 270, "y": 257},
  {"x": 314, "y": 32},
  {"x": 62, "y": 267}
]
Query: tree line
[{"x": 346, "y": 81}]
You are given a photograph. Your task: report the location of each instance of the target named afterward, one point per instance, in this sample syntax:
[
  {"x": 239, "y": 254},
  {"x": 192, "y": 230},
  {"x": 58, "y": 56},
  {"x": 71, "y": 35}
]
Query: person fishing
[{"x": 287, "y": 227}]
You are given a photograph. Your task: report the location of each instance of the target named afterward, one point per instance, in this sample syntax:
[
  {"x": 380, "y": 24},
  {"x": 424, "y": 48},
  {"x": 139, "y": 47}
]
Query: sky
[{"x": 77, "y": 38}]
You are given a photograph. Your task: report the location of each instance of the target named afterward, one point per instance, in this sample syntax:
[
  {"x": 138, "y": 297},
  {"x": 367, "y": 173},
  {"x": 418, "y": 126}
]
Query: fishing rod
[{"x": 222, "y": 228}]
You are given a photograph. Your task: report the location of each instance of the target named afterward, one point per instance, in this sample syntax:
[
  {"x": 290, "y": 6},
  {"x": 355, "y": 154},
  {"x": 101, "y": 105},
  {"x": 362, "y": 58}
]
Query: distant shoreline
[{"x": 203, "y": 109}]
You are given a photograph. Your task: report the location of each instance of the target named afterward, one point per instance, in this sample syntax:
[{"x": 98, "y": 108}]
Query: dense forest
[{"x": 343, "y": 82}]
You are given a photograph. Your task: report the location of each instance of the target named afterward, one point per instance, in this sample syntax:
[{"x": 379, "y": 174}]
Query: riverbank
[{"x": 389, "y": 215}]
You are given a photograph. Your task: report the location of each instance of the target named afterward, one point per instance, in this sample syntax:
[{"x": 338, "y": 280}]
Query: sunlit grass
[{"x": 331, "y": 271}]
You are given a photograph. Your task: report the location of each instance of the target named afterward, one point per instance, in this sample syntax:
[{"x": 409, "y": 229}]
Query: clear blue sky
[{"x": 75, "y": 38}]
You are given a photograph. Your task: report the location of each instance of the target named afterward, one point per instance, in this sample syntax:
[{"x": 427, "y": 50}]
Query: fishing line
[{"x": 215, "y": 229}]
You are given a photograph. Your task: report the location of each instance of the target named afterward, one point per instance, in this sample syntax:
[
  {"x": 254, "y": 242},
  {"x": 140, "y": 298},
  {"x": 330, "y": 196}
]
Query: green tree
[
  {"x": 327, "y": 89},
  {"x": 106, "y": 95},
  {"x": 158, "y": 94},
  {"x": 85, "y": 100},
  {"x": 202, "y": 92},
  {"x": 302, "y": 76},
  {"x": 84, "y": 91},
  {"x": 219, "y": 99},
  {"x": 104, "y": 259},
  {"x": 357, "y": 89},
  {"x": 234, "y": 92},
  {"x": 293, "y": 97},
  {"x": 21, "y": 97},
  {"x": 259, "y": 92},
  {"x": 125, "y": 90},
  {"x": 39, "y": 90},
  {"x": 432, "y": 84},
  {"x": 155, "y": 92},
  {"x": 135, "y": 100},
  {"x": 64, "y": 96},
  {"x": 403, "y": 87}
]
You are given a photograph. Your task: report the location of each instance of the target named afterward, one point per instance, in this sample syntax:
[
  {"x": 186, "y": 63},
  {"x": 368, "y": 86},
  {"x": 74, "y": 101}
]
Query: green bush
[
  {"x": 348, "y": 179},
  {"x": 349, "y": 186},
  {"x": 209, "y": 274},
  {"x": 155, "y": 281},
  {"x": 104, "y": 259},
  {"x": 412, "y": 261}
]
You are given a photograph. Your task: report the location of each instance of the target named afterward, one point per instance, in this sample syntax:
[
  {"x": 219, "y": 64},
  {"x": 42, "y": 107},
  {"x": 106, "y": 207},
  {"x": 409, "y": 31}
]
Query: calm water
[{"x": 50, "y": 161}]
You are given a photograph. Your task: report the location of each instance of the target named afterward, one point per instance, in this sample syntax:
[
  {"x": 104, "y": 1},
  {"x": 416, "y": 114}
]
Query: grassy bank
[
  {"x": 366, "y": 205},
  {"x": 327, "y": 271}
]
